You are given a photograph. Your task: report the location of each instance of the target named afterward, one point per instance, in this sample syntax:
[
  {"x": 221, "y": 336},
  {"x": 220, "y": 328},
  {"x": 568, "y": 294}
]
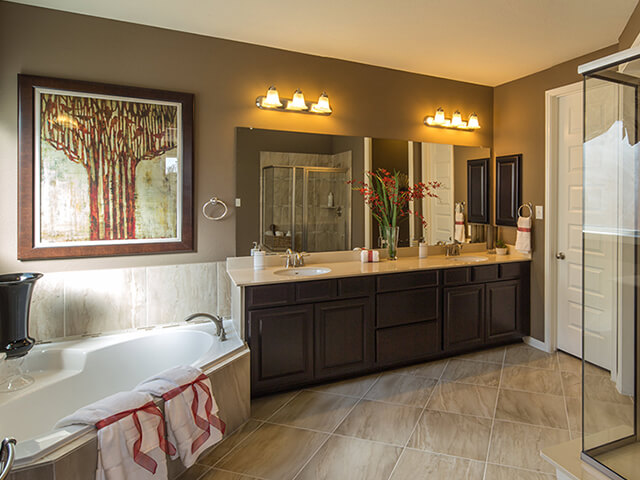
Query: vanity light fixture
[
  {"x": 272, "y": 101},
  {"x": 455, "y": 122}
]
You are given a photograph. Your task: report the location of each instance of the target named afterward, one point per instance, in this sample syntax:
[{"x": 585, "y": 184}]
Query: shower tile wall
[{"x": 98, "y": 301}]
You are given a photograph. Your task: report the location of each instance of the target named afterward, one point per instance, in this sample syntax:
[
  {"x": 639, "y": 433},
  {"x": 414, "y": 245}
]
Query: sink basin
[
  {"x": 469, "y": 258},
  {"x": 302, "y": 271}
]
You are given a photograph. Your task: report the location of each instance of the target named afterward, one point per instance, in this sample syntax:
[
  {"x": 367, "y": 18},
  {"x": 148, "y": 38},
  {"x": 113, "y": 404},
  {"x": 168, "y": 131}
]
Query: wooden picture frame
[
  {"x": 103, "y": 170},
  {"x": 508, "y": 189}
]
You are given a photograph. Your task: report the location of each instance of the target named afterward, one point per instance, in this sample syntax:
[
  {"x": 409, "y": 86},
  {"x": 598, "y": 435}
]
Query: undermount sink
[
  {"x": 302, "y": 271},
  {"x": 469, "y": 258}
]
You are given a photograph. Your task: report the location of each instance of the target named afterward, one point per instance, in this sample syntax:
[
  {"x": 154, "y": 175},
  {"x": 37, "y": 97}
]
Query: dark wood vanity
[{"x": 313, "y": 331}]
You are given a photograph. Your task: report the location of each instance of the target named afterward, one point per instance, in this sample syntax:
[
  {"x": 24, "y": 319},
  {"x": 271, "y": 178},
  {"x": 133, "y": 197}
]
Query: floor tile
[
  {"x": 532, "y": 408},
  {"x": 492, "y": 355},
  {"x": 571, "y": 384},
  {"x": 574, "y": 411},
  {"x": 417, "y": 465},
  {"x": 428, "y": 369},
  {"x": 452, "y": 434},
  {"x": 537, "y": 380},
  {"x": 314, "y": 410},
  {"x": 273, "y": 452},
  {"x": 352, "y": 459},
  {"x": 601, "y": 416},
  {"x": 382, "y": 422},
  {"x": 521, "y": 354},
  {"x": 404, "y": 389},
  {"x": 194, "y": 473},
  {"x": 230, "y": 442},
  {"x": 480, "y": 373},
  {"x": 354, "y": 387},
  {"x": 500, "y": 472},
  {"x": 215, "y": 474},
  {"x": 519, "y": 445},
  {"x": 464, "y": 398},
  {"x": 263, "y": 407},
  {"x": 601, "y": 388},
  {"x": 569, "y": 363}
]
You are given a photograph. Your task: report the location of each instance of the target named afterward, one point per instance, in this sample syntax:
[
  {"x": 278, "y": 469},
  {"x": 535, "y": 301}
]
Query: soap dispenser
[
  {"x": 330, "y": 200},
  {"x": 255, "y": 248},
  {"x": 258, "y": 257}
]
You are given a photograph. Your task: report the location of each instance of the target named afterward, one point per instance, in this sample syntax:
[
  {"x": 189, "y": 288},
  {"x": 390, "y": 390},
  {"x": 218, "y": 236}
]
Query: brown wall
[
  {"x": 519, "y": 127},
  {"x": 631, "y": 30},
  {"x": 225, "y": 77}
]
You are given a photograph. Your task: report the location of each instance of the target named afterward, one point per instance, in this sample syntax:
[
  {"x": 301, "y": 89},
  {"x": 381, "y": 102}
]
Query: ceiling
[{"x": 489, "y": 42}]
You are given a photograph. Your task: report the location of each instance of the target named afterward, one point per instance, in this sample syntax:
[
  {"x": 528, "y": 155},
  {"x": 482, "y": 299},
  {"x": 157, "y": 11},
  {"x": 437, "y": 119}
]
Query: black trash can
[{"x": 15, "y": 299}]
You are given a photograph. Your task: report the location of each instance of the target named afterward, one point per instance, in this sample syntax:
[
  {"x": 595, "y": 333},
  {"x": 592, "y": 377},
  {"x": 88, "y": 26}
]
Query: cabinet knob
[{"x": 560, "y": 256}]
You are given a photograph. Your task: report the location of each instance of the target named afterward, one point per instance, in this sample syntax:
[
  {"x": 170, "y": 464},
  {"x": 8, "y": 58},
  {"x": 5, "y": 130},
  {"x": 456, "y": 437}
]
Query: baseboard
[{"x": 535, "y": 343}]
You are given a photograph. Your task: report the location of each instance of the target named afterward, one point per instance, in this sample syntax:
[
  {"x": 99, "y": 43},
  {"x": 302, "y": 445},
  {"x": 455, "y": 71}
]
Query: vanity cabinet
[{"x": 306, "y": 332}]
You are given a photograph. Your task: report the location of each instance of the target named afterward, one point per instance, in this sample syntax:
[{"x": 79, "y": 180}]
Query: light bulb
[
  {"x": 439, "y": 119},
  {"x": 272, "y": 100},
  {"x": 429, "y": 121},
  {"x": 298, "y": 102},
  {"x": 473, "y": 121},
  {"x": 323, "y": 104},
  {"x": 456, "y": 119}
]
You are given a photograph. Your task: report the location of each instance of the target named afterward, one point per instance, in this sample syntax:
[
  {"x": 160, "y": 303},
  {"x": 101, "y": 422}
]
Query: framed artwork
[{"x": 103, "y": 169}]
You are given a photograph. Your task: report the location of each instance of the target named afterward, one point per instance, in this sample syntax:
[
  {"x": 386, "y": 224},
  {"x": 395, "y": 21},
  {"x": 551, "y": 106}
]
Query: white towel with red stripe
[
  {"x": 523, "y": 237},
  {"x": 131, "y": 436},
  {"x": 190, "y": 410},
  {"x": 458, "y": 231}
]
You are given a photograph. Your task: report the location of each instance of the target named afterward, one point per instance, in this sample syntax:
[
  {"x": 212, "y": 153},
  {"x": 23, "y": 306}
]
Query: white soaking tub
[{"x": 71, "y": 374}]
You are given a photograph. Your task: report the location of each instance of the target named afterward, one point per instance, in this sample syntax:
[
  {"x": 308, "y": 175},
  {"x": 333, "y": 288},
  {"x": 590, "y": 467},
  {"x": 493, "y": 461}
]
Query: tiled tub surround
[
  {"x": 479, "y": 416},
  {"x": 72, "y": 383},
  {"x": 69, "y": 304}
]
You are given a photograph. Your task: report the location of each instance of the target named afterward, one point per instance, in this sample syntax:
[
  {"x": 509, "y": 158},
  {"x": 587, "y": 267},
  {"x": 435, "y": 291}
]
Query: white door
[
  {"x": 599, "y": 256},
  {"x": 437, "y": 165}
]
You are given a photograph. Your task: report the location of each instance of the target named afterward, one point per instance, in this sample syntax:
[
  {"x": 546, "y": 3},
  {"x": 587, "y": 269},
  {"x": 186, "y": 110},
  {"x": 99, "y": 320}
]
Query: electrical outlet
[
  {"x": 539, "y": 212},
  {"x": 238, "y": 202}
]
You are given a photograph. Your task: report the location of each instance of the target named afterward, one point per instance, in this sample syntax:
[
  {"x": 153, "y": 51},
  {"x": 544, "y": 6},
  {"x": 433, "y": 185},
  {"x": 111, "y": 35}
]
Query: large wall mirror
[{"x": 293, "y": 189}]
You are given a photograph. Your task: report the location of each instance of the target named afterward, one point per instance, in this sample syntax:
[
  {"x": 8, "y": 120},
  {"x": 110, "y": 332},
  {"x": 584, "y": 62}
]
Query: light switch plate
[
  {"x": 238, "y": 202},
  {"x": 539, "y": 212}
]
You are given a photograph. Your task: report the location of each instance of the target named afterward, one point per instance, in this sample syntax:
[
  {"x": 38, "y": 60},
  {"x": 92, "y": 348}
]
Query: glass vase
[{"x": 390, "y": 237}]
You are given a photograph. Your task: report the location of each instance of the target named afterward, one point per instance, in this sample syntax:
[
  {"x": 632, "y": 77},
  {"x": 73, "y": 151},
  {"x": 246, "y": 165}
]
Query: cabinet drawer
[
  {"x": 513, "y": 270},
  {"x": 270, "y": 295},
  {"x": 403, "y": 281},
  {"x": 485, "y": 273},
  {"x": 454, "y": 276},
  {"x": 356, "y": 287},
  {"x": 316, "y": 291},
  {"x": 409, "y": 342},
  {"x": 410, "y": 306}
]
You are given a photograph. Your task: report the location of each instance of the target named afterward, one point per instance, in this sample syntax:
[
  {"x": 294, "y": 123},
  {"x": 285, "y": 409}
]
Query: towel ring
[
  {"x": 215, "y": 201},
  {"x": 529, "y": 206}
]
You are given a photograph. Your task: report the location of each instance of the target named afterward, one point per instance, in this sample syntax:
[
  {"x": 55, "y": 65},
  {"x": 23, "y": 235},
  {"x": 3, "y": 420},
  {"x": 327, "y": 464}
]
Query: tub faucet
[{"x": 215, "y": 319}]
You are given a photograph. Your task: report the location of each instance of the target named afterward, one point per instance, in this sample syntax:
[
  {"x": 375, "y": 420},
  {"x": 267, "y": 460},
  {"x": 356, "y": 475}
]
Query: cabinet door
[
  {"x": 478, "y": 190},
  {"x": 503, "y": 309},
  {"x": 281, "y": 343},
  {"x": 508, "y": 192},
  {"x": 463, "y": 316},
  {"x": 343, "y": 337}
]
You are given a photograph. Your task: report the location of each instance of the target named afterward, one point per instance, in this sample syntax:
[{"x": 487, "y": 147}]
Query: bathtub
[{"x": 71, "y": 374}]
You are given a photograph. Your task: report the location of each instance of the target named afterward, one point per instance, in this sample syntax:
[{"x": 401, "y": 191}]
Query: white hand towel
[
  {"x": 184, "y": 390},
  {"x": 458, "y": 232},
  {"x": 131, "y": 441},
  {"x": 523, "y": 237}
]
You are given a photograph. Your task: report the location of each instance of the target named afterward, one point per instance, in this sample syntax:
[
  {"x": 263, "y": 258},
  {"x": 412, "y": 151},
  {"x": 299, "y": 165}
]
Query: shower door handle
[
  {"x": 7, "y": 454},
  {"x": 560, "y": 256}
]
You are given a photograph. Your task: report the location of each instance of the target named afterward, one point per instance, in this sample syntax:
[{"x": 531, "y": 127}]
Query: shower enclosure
[
  {"x": 305, "y": 208},
  {"x": 610, "y": 265}
]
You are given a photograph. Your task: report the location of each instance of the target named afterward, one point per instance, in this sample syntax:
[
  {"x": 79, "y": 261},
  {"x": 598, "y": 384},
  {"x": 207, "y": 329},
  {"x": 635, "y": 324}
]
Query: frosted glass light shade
[
  {"x": 439, "y": 118},
  {"x": 272, "y": 100},
  {"x": 473, "y": 121},
  {"x": 298, "y": 102},
  {"x": 456, "y": 119},
  {"x": 323, "y": 104}
]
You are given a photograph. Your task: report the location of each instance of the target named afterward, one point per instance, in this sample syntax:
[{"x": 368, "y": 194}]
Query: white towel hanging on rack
[{"x": 523, "y": 236}]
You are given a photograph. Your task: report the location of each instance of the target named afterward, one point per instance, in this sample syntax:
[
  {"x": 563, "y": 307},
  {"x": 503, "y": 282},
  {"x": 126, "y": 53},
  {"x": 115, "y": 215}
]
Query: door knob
[{"x": 560, "y": 256}]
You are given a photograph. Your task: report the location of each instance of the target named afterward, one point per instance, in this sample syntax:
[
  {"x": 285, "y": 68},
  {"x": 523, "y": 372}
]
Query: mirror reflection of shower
[{"x": 305, "y": 201}]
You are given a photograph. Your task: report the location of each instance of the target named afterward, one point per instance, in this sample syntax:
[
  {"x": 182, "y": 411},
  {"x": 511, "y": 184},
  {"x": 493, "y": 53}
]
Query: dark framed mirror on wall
[
  {"x": 508, "y": 189},
  {"x": 478, "y": 190}
]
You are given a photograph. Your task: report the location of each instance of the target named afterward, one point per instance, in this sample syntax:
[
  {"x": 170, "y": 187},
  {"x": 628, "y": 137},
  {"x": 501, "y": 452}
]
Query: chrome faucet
[
  {"x": 452, "y": 249},
  {"x": 215, "y": 319},
  {"x": 294, "y": 259}
]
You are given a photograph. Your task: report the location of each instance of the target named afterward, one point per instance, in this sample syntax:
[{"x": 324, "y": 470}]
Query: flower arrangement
[{"x": 388, "y": 195}]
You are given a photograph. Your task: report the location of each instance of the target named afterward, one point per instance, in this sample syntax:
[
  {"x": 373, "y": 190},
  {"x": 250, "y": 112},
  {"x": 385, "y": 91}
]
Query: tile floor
[{"x": 484, "y": 415}]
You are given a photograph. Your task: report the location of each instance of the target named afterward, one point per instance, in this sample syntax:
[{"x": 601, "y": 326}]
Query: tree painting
[{"x": 109, "y": 138}]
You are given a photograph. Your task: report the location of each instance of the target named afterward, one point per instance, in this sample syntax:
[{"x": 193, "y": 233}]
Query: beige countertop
[{"x": 243, "y": 276}]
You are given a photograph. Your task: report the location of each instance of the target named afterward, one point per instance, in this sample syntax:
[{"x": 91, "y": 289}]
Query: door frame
[{"x": 552, "y": 98}]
